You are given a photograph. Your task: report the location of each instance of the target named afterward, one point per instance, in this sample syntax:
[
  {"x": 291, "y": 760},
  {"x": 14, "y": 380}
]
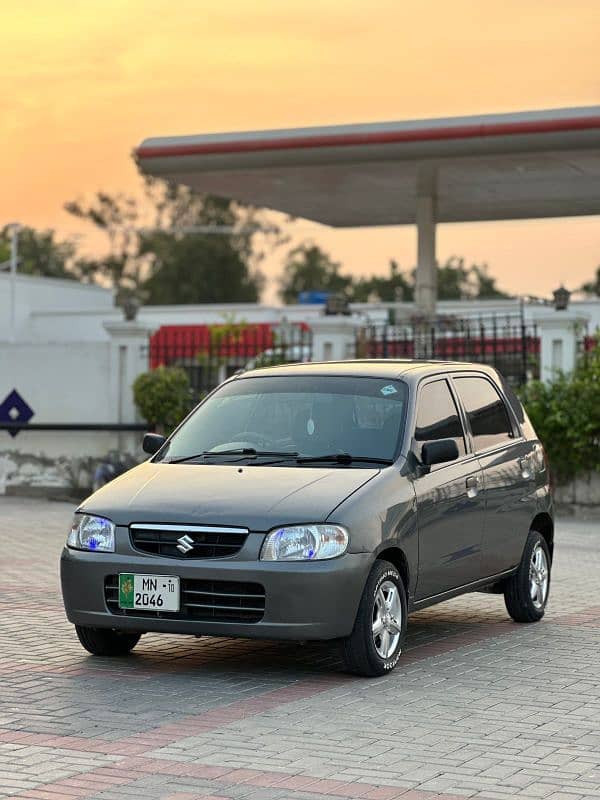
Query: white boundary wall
[
  {"x": 70, "y": 383},
  {"x": 64, "y": 383}
]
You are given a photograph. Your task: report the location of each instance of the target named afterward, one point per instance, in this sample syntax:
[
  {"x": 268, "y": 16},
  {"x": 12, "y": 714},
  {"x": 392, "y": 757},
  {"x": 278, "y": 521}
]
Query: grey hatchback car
[{"x": 319, "y": 502}]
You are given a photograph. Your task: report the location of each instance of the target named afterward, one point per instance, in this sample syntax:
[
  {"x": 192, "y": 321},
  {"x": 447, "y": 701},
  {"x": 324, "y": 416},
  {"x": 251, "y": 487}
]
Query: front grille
[
  {"x": 202, "y": 601},
  {"x": 204, "y": 542}
]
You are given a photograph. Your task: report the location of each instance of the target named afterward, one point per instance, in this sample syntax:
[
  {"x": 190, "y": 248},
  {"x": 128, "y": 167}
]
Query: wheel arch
[
  {"x": 397, "y": 557},
  {"x": 544, "y": 524}
]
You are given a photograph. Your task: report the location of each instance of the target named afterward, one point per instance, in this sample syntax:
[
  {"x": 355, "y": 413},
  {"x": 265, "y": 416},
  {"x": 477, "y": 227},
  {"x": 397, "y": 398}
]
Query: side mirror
[
  {"x": 152, "y": 443},
  {"x": 439, "y": 452}
]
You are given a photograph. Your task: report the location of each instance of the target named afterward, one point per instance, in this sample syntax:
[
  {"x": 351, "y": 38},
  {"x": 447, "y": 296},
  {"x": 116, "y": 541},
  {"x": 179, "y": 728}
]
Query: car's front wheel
[
  {"x": 105, "y": 642},
  {"x": 375, "y": 644},
  {"x": 526, "y": 592}
]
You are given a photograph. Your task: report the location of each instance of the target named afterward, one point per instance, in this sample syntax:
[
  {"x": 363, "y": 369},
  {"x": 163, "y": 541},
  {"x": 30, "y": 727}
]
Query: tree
[
  {"x": 593, "y": 287},
  {"x": 160, "y": 249},
  {"x": 398, "y": 287},
  {"x": 453, "y": 280},
  {"x": 486, "y": 285},
  {"x": 203, "y": 267},
  {"x": 197, "y": 269},
  {"x": 566, "y": 415},
  {"x": 118, "y": 217},
  {"x": 456, "y": 281},
  {"x": 308, "y": 268},
  {"x": 40, "y": 253},
  {"x": 163, "y": 397}
]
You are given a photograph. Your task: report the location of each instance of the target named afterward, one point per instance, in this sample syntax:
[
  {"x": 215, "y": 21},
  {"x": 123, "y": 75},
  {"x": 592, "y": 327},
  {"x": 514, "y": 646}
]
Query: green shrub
[
  {"x": 163, "y": 397},
  {"x": 566, "y": 416}
]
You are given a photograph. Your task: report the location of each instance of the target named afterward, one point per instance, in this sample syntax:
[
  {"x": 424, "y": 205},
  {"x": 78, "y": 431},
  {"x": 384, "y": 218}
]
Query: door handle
[{"x": 472, "y": 484}]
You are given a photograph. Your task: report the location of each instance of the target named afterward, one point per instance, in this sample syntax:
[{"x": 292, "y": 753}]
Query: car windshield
[{"x": 286, "y": 419}]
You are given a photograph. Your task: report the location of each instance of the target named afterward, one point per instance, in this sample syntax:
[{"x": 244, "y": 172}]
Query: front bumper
[{"x": 303, "y": 601}]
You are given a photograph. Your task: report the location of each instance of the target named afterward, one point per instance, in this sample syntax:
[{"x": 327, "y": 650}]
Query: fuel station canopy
[{"x": 492, "y": 167}]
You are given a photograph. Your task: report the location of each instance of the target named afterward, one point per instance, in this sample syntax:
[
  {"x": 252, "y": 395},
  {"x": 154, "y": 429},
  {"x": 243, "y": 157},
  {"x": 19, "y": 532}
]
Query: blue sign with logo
[
  {"x": 313, "y": 296},
  {"x": 14, "y": 409}
]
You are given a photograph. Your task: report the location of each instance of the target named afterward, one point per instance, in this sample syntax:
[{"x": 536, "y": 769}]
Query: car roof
[{"x": 369, "y": 368}]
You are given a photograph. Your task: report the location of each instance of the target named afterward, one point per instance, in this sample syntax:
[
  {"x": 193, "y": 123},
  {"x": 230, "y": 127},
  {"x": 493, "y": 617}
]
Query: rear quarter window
[
  {"x": 513, "y": 401},
  {"x": 486, "y": 412}
]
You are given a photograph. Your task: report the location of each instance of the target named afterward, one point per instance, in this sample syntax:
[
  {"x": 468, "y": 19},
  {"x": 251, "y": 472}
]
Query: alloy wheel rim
[
  {"x": 387, "y": 619},
  {"x": 538, "y": 577}
]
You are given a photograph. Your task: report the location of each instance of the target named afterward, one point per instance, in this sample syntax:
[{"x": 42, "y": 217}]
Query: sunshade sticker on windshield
[{"x": 389, "y": 389}]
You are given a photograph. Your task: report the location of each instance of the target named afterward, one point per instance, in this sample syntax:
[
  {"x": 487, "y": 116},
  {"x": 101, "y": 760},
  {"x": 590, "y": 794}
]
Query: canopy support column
[{"x": 426, "y": 278}]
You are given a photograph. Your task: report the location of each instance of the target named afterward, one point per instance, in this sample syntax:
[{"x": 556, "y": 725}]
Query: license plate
[{"x": 149, "y": 592}]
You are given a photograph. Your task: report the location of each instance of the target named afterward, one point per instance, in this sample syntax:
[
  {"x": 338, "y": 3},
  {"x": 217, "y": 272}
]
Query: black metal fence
[
  {"x": 209, "y": 355},
  {"x": 509, "y": 343}
]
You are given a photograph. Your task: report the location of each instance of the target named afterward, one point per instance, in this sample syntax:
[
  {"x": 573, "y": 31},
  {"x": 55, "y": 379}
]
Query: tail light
[{"x": 546, "y": 466}]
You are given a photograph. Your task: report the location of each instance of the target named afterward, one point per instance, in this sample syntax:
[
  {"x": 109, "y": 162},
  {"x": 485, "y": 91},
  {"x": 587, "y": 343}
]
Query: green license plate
[{"x": 148, "y": 592}]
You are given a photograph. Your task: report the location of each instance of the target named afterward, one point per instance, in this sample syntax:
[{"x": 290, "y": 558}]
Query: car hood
[{"x": 253, "y": 497}]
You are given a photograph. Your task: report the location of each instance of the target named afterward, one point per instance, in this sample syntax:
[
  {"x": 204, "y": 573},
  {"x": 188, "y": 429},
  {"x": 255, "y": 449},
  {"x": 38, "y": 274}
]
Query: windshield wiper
[
  {"x": 249, "y": 452},
  {"x": 344, "y": 458}
]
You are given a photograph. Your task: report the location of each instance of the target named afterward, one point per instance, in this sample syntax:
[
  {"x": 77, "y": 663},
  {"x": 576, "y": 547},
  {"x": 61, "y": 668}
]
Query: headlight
[
  {"x": 92, "y": 533},
  {"x": 305, "y": 543}
]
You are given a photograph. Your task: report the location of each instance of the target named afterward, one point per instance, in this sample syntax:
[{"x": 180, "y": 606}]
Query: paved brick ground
[{"x": 479, "y": 707}]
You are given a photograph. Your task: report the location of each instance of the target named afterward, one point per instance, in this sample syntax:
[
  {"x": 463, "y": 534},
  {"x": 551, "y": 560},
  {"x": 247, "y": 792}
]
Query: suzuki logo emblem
[{"x": 185, "y": 544}]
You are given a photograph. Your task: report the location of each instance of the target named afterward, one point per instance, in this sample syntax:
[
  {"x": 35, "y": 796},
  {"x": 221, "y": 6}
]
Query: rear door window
[
  {"x": 486, "y": 412},
  {"x": 437, "y": 417}
]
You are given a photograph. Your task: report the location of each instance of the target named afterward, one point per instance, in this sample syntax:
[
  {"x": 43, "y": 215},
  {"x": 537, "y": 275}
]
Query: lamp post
[{"x": 561, "y": 298}]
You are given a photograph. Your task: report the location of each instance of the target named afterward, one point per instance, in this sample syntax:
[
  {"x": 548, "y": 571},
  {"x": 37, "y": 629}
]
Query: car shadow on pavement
[{"x": 430, "y": 632}]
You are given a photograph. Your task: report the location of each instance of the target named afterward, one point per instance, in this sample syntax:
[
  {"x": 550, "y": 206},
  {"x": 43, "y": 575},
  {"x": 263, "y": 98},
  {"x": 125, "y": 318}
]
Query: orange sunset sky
[{"x": 83, "y": 82}]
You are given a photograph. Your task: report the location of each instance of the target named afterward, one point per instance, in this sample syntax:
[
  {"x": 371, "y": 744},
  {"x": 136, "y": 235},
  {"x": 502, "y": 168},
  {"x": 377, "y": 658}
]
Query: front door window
[{"x": 437, "y": 418}]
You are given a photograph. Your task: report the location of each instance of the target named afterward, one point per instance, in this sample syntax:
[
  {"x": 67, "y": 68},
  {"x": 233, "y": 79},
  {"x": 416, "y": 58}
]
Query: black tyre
[
  {"x": 375, "y": 645},
  {"x": 105, "y": 642},
  {"x": 526, "y": 592}
]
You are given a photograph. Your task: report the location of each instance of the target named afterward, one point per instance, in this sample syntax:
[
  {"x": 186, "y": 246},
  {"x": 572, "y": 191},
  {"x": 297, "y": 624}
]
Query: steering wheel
[{"x": 253, "y": 438}]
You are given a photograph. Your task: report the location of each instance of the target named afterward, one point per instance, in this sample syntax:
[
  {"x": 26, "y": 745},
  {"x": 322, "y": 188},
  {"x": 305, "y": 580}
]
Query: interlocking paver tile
[{"x": 479, "y": 706}]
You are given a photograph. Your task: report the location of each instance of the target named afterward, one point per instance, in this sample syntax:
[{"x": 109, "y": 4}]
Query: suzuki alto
[{"x": 319, "y": 502}]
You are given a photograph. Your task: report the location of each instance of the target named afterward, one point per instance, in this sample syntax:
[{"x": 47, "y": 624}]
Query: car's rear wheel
[
  {"x": 526, "y": 592},
  {"x": 105, "y": 642},
  {"x": 375, "y": 644}
]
